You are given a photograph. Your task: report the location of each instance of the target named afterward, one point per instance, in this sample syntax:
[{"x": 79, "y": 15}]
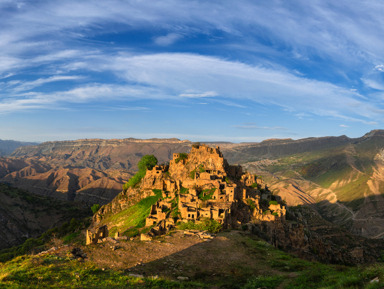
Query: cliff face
[{"x": 102, "y": 154}]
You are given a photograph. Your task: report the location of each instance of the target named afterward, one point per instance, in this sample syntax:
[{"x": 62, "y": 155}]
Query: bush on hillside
[
  {"x": 95, "y": 208},
  {"x": 147, "y": 162}
]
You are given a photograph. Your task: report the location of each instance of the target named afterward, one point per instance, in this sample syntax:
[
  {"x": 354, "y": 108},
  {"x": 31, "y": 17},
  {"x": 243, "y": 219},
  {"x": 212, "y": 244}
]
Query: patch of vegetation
[
  {"x": 147, "y": 162},
  {"x": 263, "y": 282},
  {"x": 205, "y": 224},
  {"x": 71, "y": 237},
  {"x": 69, "y": 231},
  {"x": 251, "y": 204},
  {"x": 182, "y": 157},
  {"x": 184, "y": 191},
  {"x": 273, "y": 203},
  {"x": 192, "y": 174},
  {"x": 50, "y": 271},
  {"x": 256, "y": 186},
  {"x": 95, "y": 208},
  {"x": 175, "y": 213},
  {"x": 201, "y": 169},
  {"x": 207, "y": 194},
  {"x": 134, "y": 216},
  {"x": 196, "y": 145}
]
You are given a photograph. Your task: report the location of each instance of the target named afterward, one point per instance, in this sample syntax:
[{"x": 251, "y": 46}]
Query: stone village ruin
[{"x": 196, "y": 186}]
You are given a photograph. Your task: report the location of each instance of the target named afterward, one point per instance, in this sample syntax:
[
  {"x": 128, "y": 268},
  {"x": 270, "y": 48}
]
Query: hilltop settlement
[
  {"x": 201, "y": 186},
  {"x": 193, "y": 187}
]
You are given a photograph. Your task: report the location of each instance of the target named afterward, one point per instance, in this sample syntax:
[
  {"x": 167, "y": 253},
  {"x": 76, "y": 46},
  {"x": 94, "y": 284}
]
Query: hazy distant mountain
[{"x": 8, "y": 146}]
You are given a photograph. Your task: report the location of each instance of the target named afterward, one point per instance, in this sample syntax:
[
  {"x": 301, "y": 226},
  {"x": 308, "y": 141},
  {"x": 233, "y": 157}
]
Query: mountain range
[{"x": 340, "y": 177}]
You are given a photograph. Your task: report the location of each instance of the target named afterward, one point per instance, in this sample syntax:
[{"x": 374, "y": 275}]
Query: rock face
[
  {"x": 101, "y": 154},
  {"x": 306, "y": 234}
]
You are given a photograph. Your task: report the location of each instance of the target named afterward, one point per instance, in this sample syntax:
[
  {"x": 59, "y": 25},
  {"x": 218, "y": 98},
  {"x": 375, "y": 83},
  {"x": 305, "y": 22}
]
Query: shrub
[
  {"x": 273, "y": 202},
  {"x": 95, "y": 208},
  {"x": 256, "y": 186},
  {"x": 192, "y": 174},
  {"x": 206, "y": 194},
  {"x": 147, "y": 162},
  {"x": 182, "y": 157},
  {"x": 251, "y": 204},
  {"x": 201, "y": 169},
  {"x": 184, "y": 190},
  {"x": 206, "y": 224}
]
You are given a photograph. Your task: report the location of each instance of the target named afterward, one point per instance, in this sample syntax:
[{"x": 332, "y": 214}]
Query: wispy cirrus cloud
[
  {"x": 322, "y": 59},
  {"x": 254, "y": 126}
]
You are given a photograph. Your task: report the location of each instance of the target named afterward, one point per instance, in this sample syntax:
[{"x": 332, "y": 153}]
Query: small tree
[
  {"x": 147, "y": 162},
  {"x": 95, "y": 208}
]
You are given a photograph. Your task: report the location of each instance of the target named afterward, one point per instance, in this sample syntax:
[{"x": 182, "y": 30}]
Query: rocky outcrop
[
  {"x": 196, "y": 186},
  {"x": 306, "y": 234}
]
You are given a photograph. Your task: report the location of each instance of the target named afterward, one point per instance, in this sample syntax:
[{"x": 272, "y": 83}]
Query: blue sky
[{"x": 200, "y": 70}]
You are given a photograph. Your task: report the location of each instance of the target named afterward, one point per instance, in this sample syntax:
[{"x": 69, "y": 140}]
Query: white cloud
[
  {"x": 168, "y": 39},
  {"x": 253, "y": 126},
  {"x": 175, "y": 73},
  {"x": 41, "y": 81},
  {"x": 199, "y": 95},
  {"x": 350, "y": 35},
  {"x": 178, "y": 75},
  {"x": 380, "y": 67}
]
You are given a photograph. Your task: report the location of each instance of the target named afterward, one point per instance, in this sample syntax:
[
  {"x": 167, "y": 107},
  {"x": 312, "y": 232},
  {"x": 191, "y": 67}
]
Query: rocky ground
[{"x": 228, "y": 256}]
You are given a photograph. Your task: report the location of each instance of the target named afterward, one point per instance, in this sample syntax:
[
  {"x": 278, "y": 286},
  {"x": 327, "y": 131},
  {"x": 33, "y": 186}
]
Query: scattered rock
[
  {"x": 145, "y": 237},
  {"x": 136, "y": 275},
  {"x": 78, "y": 253},
  {"x": 375, "y": 280},
  {"x": 181, "y": 278}
]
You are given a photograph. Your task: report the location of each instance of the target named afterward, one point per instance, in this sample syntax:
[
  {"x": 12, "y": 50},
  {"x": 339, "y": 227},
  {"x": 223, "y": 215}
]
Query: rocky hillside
[
  {"x": 193, "y": 187},
  {"x": 343, "y": 183},
  {"x": 23, "y": 215},
  {"x": 201, "y": 189},
  {"x": 89, "y": 171},
  {"x": 340, "y": 176},
  {"x": 101, "y": 154}
]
